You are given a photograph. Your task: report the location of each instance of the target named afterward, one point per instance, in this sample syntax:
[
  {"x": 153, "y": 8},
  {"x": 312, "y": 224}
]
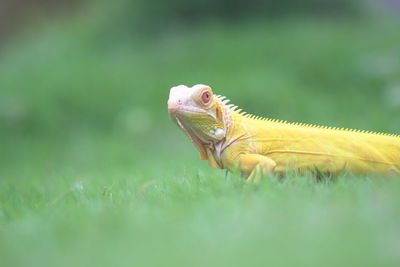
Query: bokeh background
[{"x": 83, "y": 92}]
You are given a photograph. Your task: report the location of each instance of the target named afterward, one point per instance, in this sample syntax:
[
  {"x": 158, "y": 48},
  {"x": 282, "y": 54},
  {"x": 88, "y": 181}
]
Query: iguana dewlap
[{"x": 230, "y": 139}]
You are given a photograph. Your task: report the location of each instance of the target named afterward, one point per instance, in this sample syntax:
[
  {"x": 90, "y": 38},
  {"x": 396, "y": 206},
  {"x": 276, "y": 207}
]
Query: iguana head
[{"x": 198, "y": 113}]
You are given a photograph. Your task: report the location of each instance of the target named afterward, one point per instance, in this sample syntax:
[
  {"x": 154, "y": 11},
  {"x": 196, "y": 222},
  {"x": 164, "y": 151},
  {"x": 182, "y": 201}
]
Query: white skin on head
[{"x": 195, "y": 112}]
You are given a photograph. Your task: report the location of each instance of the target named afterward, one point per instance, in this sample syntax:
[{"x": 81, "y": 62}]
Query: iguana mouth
[{"x": 177, "y": 110}]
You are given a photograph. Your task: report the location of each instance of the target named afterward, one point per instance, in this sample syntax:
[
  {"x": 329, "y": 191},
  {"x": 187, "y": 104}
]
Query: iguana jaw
[
  {"x": 183, "y": 117},
  {"x": 186, "y": 111}
]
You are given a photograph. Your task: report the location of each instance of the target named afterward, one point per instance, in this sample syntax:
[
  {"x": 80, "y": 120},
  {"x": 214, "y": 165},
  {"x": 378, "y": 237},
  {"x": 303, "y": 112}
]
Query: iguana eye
[{"x": 206, "y": 97}]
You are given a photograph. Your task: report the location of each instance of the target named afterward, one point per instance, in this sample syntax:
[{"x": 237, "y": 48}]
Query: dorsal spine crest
[{"x": 235, "y": 110}]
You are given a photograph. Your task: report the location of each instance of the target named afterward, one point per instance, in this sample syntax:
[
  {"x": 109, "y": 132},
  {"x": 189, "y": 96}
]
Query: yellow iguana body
[{"x": 230, "y": 139}]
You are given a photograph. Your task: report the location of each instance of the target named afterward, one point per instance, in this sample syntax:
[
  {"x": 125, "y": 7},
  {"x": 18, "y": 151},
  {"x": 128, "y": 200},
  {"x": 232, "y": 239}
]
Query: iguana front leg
[{"x": 255, "y": 166}]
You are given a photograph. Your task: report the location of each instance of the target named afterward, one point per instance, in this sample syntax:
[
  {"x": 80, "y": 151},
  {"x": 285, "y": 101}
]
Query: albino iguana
[{"x": 231, "y": 139}]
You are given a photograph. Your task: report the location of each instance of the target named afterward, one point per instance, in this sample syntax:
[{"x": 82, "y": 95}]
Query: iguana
[{"x": 229, "y": 139}]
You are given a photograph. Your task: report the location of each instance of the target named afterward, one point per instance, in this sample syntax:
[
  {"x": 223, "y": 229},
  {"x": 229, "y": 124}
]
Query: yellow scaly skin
[{"x": 230, "y": 139}]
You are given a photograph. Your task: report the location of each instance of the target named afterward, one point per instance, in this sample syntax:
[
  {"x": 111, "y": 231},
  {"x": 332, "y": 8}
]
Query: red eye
[{"x": 206, "y": 97}]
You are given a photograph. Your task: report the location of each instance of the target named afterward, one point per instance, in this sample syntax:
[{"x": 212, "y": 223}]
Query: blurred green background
[{"x": 92, "y": 172}]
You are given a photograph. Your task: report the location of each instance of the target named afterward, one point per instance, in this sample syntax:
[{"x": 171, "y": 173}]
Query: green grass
[
  {"x": 100, "y": 203},
  {"x": 92, "y": 172},
  {"x": 183, "y": 213}
]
